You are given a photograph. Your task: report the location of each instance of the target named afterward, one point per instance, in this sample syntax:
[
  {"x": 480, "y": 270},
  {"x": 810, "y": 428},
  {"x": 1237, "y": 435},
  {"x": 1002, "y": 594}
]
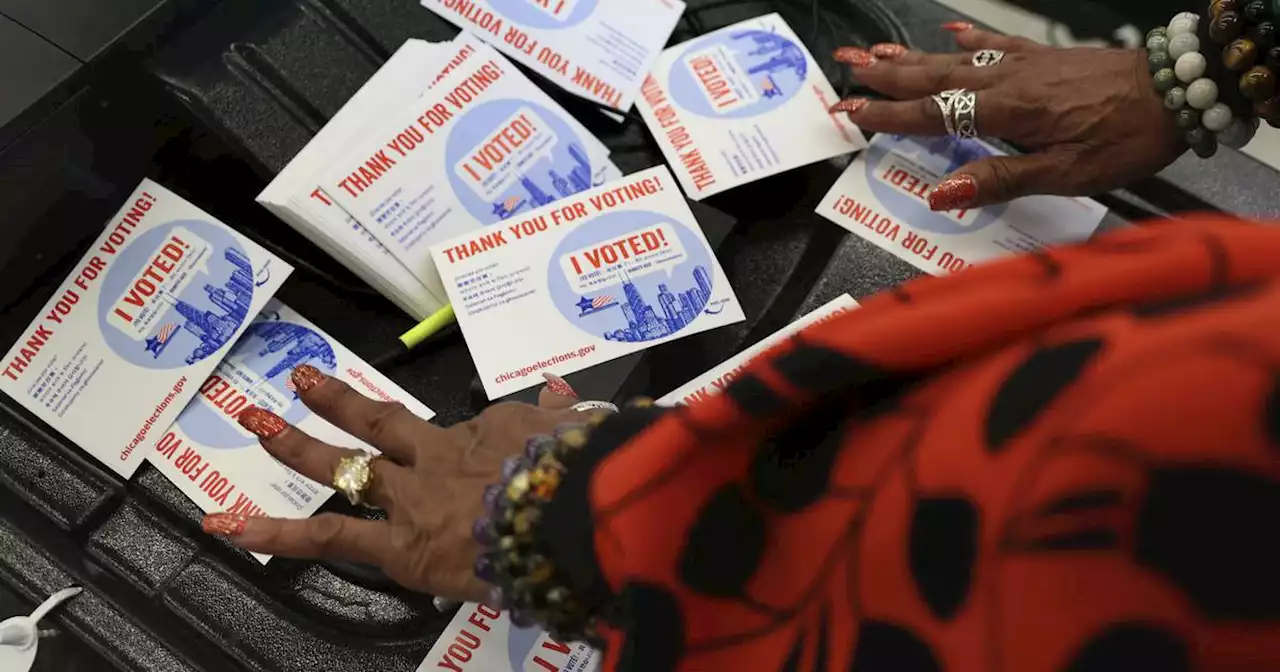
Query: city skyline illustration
[
  {"x": 785, "y": 55},
  {"x": 535, "y": 195},
  {"x": 644, "y": 322},
  {"x": 304, "y": 347},
  {"x": 213, "y": 329}
]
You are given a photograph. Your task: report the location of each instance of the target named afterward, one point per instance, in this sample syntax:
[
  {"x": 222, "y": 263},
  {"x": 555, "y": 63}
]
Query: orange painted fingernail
[
  {"x": 261, "y": 422},
  {"x": 957, "y": 26},
  {"x": 953, "y": 192},
  {"x": 853, "y": 56},
  {"x": 848, "y": 106},
  {"x": 559, "y": 385},
  {"x": 224, "y": 524},
  {"x": 888, "y": 51},
  {"x": 306, "y": 377}
]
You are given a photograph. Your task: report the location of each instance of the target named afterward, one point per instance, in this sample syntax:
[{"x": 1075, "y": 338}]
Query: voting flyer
[
  {"x": 602, "y": 274},
  {"x": 294, "y": 195},
  {"x": 884, "y": 197},
  {"x": 740, "y": 104},
  {"x": 483, "y": 145},
  {"x": 597, "y": 49},
  {"x": 714, "y": 381},
  {"x": 150, "y": 310},
  {"x": 219, "y": 464},
  {"x": 481, "y": 639}
]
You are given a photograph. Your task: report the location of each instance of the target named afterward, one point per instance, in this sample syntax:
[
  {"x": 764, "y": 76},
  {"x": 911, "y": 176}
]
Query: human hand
[
  {"x": 1090, "y": 118},
  {"x": 430, "y": 481}
]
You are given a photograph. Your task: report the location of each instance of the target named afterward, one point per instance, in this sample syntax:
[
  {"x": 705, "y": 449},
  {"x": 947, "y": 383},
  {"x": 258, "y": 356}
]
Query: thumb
[
  {"x": 997, "y": 179},
  {"x": 557, "y": 393}
]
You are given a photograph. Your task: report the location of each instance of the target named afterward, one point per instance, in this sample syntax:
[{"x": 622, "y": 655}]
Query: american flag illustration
[
  {"x": 288, "y": 385},
  {"x": 601, "y": 301},
  {"x": 166, "y": 332},
  {"x": 511, "y": 202},
  {"x": 766, "y": 85}
]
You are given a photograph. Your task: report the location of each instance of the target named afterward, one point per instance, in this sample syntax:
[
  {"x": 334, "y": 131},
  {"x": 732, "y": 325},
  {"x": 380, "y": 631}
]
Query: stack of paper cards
[
  {"x": 483, "y": 145},
  {"x": 480, "y": 639},
  {"x": 295, "y": 195},
  {"x": 147, "y": 314},
  {"x": 611, "y": 271},
  {"x": 714, "y": 381},
  {"x": 219, "y": 464},
  {"x": 597, "y": 50},
  {"x": 884, "y": 197},
  {"x": 740, "y": 104}
]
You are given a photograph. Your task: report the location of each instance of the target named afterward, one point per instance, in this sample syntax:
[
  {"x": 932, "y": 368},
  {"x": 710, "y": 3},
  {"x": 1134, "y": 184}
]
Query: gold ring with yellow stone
[{"x": 354, "y": 475}]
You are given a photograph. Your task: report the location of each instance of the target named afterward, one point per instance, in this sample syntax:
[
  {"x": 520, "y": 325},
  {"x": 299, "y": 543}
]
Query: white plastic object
[{"x": 19, "y": 637}]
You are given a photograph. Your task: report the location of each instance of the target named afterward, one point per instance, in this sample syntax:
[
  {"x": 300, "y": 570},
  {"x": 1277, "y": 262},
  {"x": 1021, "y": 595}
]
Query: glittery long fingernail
[
  {"x": 953, "y": 192},
  {"x": 559, "y": 385},
  {"x": 261, "y": 422},
  {"x": 306, "y": 377},
  {"x": 888, "y": 51},
  {"x": 853, "y": 56},
  {"x": 957, "y": 26},
  {"x": 224, "y": 524},
  {"x": 848, "y": 106}
]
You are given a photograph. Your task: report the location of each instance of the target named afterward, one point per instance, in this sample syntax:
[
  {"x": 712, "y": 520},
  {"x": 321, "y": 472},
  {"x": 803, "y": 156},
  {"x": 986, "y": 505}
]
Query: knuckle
[
  {"x": 385, "y": 413},
  {"x": 324, "y": 532}
]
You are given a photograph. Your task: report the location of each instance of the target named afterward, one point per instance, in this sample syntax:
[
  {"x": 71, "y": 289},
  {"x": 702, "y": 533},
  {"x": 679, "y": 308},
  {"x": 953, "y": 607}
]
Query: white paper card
[
  {"x": 597, "y": 49},
  {"x": 482, "y": 145},
  {"x": 884, "y": 197},
  {"x": 740, "y": 104},
  {"x": 714, "y": 381},
  {"x": 149, "y": 311},
  {"x": 480, "y": 639},
  {"x": 605, "y": 273},
  {"x": 294, "y": 195},
  {"x": 219, "y": 464}
]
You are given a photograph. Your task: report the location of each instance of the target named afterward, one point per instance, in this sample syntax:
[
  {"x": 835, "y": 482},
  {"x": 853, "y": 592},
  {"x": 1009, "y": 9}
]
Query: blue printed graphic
[
  {"x": 256, "y": 373},
  {"x": 559, "y": 168},
  {"x": 738, "y": 74},
  {"x": 169, "y": 331},
  {"x": 939, "y": 156},
  {"x": 545, "y": 14},
  {"x": 638, "y": 308}
]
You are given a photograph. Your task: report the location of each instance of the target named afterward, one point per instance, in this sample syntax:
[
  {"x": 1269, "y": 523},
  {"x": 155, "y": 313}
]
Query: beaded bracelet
[
  {"x": 1178, "y": 69},
  {"x": 1250, "y": 34},
  {"x": 525, "y": 582}
]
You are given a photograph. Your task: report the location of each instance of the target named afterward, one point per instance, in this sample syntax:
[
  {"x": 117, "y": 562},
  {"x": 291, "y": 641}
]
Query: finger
[
  {"x": 316, "y": 459},
  {"x": 928, "y": 76},
  {"x": 974, "y": 39},
  {"x": 557, "y": 393},
  {"x": 327, "y": 535},
  {"x": 1002, "y": 178},
  {"x": 922, "y": 115},
  {"x": 387, "y": 425}
]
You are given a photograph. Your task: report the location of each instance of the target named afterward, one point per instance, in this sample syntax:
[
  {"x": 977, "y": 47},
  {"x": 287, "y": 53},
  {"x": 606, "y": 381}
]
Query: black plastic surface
[
  {"x": 213, "y": 112},
  {"x": 82, "y": 28},
  {"x": 30, "y": 67}
]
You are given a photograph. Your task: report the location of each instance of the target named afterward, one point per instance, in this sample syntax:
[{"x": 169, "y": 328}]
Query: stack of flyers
[
  {"x": 295, "y": 195},
  {"x": 482, "y": 145},
  {"x": 219, "y": 464},
  {"x": 714, "y": 381},
  {"x": 883, "y": 196},
  {"x": 482, "y": 639},
  {"x": 740, "y": 104},
  {"x": 149, "y": 312},
  {"x": 598, "y": 50}
]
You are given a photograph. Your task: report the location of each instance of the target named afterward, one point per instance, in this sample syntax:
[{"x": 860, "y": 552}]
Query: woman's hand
[
  {"x": 1091, "y": 118},
  {"x": 430, "y": 481}
]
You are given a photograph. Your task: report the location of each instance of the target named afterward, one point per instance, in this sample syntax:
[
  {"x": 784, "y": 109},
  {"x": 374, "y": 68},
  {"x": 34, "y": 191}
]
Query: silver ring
[
  {"x": 986, "y": 58},
  {"x": 594, "y": 406},
  {"x": 944, "y": 108},
  {"x": 963, "y": 110}
]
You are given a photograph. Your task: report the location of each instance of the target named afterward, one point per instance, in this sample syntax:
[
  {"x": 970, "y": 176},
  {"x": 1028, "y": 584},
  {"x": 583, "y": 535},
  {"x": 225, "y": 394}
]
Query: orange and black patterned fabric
[{"x": 1068, "y": 461}]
